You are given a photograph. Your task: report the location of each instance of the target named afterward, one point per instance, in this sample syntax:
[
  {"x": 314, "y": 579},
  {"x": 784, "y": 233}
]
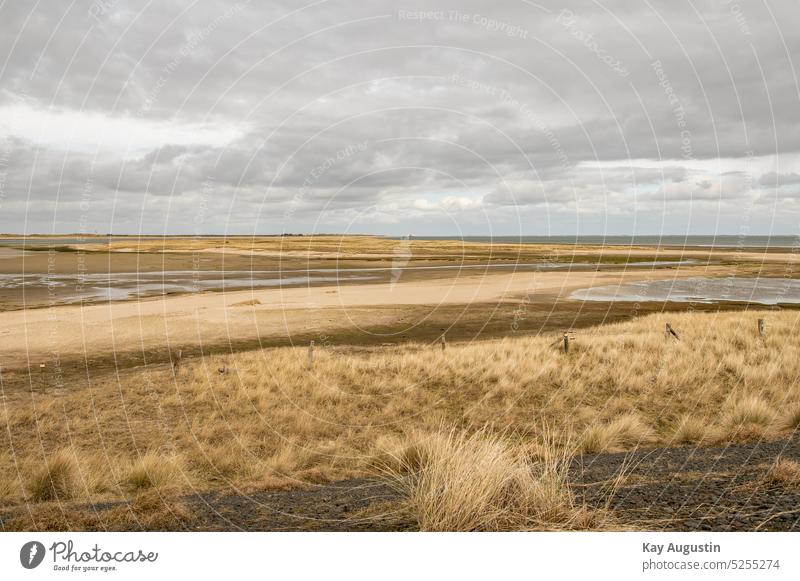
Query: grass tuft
[
  {"x": 154, "y": 471},
  {"x": 751, "y": 410},
  {"x": 784, "y": 472},
  {"x": 791, "y": 418},
  {"x": 625, "y": 432},
  {"x": 458, "y": 482},
  {"x": 691, "y": 430},
  {"x": 58, "y": 479},
  {"x": 749, "y": 418}
]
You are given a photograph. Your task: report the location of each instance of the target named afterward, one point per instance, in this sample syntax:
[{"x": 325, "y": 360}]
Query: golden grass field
[
  {"x": 339, "y": 247},
  {"x": 318, "y": 248},
  {"x": 480, "y": 420}
]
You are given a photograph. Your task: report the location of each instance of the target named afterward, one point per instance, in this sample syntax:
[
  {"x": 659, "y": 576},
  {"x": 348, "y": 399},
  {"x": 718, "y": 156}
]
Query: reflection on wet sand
[
  {"x": 121, "y": 286},
  {"x": 63, "y": 288},
  {"x": 766, "y": 291}
]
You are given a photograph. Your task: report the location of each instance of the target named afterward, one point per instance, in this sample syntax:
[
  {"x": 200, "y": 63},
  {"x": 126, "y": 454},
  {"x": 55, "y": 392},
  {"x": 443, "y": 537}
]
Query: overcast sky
[{"x": 506, "y": 117}]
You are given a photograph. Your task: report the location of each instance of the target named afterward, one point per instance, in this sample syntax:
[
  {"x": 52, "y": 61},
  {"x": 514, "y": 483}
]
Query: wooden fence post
[
  {"x": 310, "y": 354},
  {"x": 176, "y": 363},
  {"x": 566, "y": 342},
  {"x": 668, "y": 330},
  {"x": 762, "y": 328},
  {"x": 42, "y": 367},
  {"x": 443, "y": 342}
]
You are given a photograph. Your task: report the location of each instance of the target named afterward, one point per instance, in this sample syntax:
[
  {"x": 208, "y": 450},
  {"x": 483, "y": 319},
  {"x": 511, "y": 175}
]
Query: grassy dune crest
[{"x": 270, "y": 421}]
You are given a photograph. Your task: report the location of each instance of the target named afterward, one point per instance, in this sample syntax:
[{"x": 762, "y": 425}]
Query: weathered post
[
  {"x": 762, "y": 328},
  {"x": 566, "y": 342},
  {"x": 176, "y": 363},
  {"x": 668, "y": 330},
  {"x": 443, "y": 341},
  {"x": 42, "y": 367},
  {"x": 310, "y": 354}
]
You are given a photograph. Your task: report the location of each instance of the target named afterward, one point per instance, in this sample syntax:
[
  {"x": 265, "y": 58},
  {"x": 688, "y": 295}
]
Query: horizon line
[{"x": 354, "y": 234}]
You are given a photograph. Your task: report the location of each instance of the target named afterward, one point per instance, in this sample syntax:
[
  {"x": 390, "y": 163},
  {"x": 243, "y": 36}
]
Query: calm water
[
  {"x": 126, "y": 285},
  {"x": 721, "y": 241},
  {"x": 766, "y": 291},
  {"x": 71, "y": 288}
]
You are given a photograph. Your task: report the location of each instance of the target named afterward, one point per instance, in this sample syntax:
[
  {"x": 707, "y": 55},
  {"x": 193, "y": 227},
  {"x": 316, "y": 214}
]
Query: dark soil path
[
  {"x": 349, "y": 505},
  {"x": 687, "y": 488}
]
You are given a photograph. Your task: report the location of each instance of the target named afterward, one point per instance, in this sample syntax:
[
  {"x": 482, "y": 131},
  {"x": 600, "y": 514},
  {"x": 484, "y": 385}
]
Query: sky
[{"x": 503, "y": 118}]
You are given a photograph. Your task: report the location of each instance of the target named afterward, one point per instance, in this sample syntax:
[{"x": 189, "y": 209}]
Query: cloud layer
[{"x": 426, "y": 117}]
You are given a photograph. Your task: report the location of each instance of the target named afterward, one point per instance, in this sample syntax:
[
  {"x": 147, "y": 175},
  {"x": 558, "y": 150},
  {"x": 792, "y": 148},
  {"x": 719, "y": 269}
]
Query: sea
[
  {"x": 703, "y": 240},
  {"x": 673, "y": 240}
]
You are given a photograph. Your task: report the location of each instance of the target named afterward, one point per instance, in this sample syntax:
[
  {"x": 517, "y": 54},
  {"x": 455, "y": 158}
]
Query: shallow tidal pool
[{"x": 765, "y": 291}]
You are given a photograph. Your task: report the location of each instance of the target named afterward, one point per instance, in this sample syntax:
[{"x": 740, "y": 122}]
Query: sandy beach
[{"x": 67, "y": 332}]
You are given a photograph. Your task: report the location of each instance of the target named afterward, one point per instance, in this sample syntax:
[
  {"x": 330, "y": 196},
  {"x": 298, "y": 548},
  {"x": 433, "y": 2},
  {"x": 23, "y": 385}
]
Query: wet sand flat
[
  {"x": 29, "y": 336},
  {"x": 760, "y": 290},
  {"x": 385, "y": 290}
]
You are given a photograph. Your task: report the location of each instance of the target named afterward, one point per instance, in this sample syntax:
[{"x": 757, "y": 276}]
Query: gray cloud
[
  {"x": 503, "y": 113},
  {"x": 773, "y": 179}
]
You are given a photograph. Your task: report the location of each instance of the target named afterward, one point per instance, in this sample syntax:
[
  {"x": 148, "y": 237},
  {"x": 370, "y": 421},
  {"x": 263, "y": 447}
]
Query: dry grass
[
  {"x": 749, "y": 418},
  {"x": 57, "y": 479},
  {"x": 690, "y": 430},
  {"x": 455, "y": 481},
  {"x": 148, "y": 511},
  {"x": 355, "y": 247},
  {"x": 345, "y": 247},
  {"x": 785, "y": 472},
  {"x": 272, "y": 422},
  {"x": 624, "y": 432},
  {"x": 751, "y": 411},
  {"x": 791, "y": 418},
  {"x": 154, "y": 471}
]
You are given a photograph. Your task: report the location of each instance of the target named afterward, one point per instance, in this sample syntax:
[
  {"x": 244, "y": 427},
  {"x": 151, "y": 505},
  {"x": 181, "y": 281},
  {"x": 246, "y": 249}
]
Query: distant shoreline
[{"x": 777, "y": 241}]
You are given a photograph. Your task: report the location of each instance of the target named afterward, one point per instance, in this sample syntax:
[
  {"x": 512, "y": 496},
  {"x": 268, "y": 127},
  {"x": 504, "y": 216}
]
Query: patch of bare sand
[
  {"x": 11, "y": 253},
  {"x": 31, "y": 336}
]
